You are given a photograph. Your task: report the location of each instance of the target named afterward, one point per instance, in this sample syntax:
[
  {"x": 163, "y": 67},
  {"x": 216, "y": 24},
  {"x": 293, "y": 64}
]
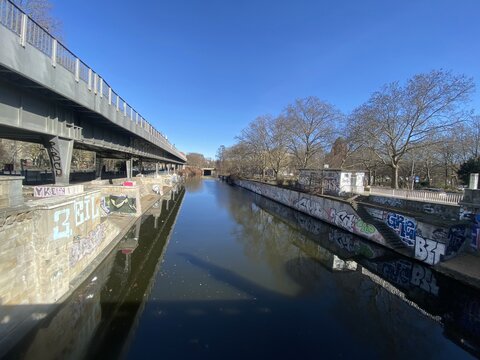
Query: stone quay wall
[{"x": 419, "y": 239}]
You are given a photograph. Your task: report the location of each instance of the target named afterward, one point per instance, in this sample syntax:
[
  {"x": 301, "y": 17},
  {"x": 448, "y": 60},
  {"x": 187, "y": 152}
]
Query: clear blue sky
[{"x": 201, "y": 70}]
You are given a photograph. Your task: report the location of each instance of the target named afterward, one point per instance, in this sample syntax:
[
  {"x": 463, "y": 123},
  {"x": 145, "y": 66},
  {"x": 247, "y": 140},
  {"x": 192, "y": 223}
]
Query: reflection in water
[
  {"x": 246, "y": 277},
  {"x": 96, "y": 320},
  {"x": 457, "y": 306}
]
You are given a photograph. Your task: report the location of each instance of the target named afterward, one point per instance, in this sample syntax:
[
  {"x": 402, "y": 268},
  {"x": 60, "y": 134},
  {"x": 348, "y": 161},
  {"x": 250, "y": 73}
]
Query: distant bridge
[
  {"x": 208, "y": 171},
  {"x": 49, "y": 96}
]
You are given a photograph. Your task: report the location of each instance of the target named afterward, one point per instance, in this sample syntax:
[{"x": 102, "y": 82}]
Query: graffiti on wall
[
  {"x": 83, "y": 246},
  {"x": 343, "y": 219},
  {"x": 387, "y": 201},
  {"x": 121, "y": 204},
  {"x": 428, "y": 250},
  {"x": 11, "y": 219},
  {"x": 465, "y": 214},
  {"x": 405, "y": 227},
  {"x": 475, "y": 238},
  {"x": 428, "y": 247},
  {"x": 49, "y": 191},
  {"x": 104, "y": 207},
  {"x": 456, "y": 239},
  {"x": 55, "y": 157},
  {"x": 84, "y": 209},
  {"x": 365, "y": 228}
]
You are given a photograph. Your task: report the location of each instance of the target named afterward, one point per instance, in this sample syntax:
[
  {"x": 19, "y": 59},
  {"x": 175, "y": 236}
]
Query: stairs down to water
[{"x": 391, "y": 238}]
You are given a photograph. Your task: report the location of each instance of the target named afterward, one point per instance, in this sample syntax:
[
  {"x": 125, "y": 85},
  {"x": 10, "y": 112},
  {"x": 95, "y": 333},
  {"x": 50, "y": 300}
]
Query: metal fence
[
  {"x": 30, "y": 32},
  {"x": 11, "y": 16},
  {"x": 419, "y": 195},
  {"x": 65, "y": 58}
]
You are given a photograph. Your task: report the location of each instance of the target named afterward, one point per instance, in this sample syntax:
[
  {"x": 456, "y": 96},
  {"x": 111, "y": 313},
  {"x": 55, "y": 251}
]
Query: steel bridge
[{"x": 49, "y": 96}]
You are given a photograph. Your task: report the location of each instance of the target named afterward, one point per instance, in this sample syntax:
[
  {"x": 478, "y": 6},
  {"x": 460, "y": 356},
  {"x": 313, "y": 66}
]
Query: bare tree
[
  {"x": 196, "y": 159},
  {"x": 399, "y": 119},
  {"x": 311, "y": 127},
  {"x": 41, "y": 12},
  {"x": 255, "y": 139}
]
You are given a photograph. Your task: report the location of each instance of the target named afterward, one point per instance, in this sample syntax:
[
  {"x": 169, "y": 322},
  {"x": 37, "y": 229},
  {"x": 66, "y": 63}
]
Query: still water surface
[{"x": 220, "y": 273}]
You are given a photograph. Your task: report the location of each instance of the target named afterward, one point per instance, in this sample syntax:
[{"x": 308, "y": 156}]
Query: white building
[{"x": 332, "y": 181}]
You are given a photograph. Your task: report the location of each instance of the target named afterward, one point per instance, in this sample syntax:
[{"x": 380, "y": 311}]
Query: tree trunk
[{"x": 394, "y": 183}]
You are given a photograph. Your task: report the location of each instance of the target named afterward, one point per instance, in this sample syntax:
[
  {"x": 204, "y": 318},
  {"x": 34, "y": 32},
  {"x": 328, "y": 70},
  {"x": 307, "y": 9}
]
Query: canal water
[{"x": 217, "y": 272}]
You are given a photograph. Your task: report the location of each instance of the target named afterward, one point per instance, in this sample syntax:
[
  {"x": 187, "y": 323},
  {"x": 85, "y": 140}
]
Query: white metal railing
[
  {"x": 419, "y": 195},
  {"x": 28, "y": 31}
]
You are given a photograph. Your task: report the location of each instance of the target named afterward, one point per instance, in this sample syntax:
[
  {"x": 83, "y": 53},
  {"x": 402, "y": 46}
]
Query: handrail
[
  {"x": 419, "y": 195},
  {"x": 30, "y": 32}
]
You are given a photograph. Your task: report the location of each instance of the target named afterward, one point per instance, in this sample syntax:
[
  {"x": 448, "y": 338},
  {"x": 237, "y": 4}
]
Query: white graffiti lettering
[{"x": 428, "y": 251}]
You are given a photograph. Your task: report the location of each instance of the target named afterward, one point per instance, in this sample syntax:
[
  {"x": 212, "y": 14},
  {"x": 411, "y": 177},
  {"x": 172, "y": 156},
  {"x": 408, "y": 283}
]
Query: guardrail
[
  {"x": 419, "y": 195},
  {"x": 30, "y": 32}
]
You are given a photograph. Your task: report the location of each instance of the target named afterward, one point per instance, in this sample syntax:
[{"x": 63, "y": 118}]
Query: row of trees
[{"x": 420, "y": 128}]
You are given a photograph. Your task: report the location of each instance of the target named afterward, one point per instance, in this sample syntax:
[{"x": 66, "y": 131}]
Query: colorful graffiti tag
[
  {"x": 121, "y": 204},
  {"x": 405, "y": 227},
  {"x": 84, "y": 209}
]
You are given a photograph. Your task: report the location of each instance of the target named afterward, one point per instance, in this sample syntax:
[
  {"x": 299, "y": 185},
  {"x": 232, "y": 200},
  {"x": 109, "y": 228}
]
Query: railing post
[
  {"x": 101, "y": 86},
  {"x": 90, "y": 79},
  {"x": 109, "y": 95},
  {"x": 95, "y": 82},
  {"x": 124, "y": 108},
  {"x": 54, "y": 52},
  {"x": 77, "y": 70},
  {"x": 23, "y": 30},
  {"x": 118, "y": 103}
]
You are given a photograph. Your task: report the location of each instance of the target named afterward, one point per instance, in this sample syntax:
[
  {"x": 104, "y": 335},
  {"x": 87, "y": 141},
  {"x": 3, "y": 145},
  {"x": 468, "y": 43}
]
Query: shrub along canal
[{"x": 218, "y": 272}]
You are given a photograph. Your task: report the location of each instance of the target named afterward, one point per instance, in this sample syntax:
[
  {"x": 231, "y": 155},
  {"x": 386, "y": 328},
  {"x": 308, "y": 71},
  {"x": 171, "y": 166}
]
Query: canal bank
[
  {"x": 50, "y": 244},
  {"x": 96, "y": 319},
  {"x": 439, "y": 241}
]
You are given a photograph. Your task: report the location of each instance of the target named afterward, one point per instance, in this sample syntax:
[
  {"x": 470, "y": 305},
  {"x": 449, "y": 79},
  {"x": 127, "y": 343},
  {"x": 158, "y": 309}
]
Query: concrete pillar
[
  {"x": 60, "y": 152},
  {"x": 98, "y": 167},
  {"x": 473, "y": 184},
  {"x": 140, "y": 166},
  {"x": 138, "y": 225},
  {"x": 156, "y": 169},
  {"x": 129, "y": 168}
]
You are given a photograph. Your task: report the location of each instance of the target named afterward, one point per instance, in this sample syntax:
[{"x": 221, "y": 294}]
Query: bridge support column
[
  {"x": 156, "y": 169},
  {"x": 98, "y": 167},
  {"x": 60, "y": 152},
  {"x": 140, "y": 166},
  {"x": 129, "y": 168}
]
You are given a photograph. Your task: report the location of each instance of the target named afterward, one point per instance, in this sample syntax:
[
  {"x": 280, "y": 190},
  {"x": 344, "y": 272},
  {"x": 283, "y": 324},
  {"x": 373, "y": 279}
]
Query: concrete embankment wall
[
  {"x": 442, "y": 211},
  {"x": 430, "y": 243},
  {"x": 48, "y": 245},
  {"x": 333, "y": 211}
]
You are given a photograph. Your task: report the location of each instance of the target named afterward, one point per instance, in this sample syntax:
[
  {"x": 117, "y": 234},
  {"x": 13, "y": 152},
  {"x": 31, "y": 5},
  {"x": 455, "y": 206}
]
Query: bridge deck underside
[{"x": 96, "y": 133}]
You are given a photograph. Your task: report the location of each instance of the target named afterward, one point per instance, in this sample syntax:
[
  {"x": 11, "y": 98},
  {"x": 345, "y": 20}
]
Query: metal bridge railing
[
  {"x": 30, "y": 32},
  {"x": 419, "y": 195}
]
